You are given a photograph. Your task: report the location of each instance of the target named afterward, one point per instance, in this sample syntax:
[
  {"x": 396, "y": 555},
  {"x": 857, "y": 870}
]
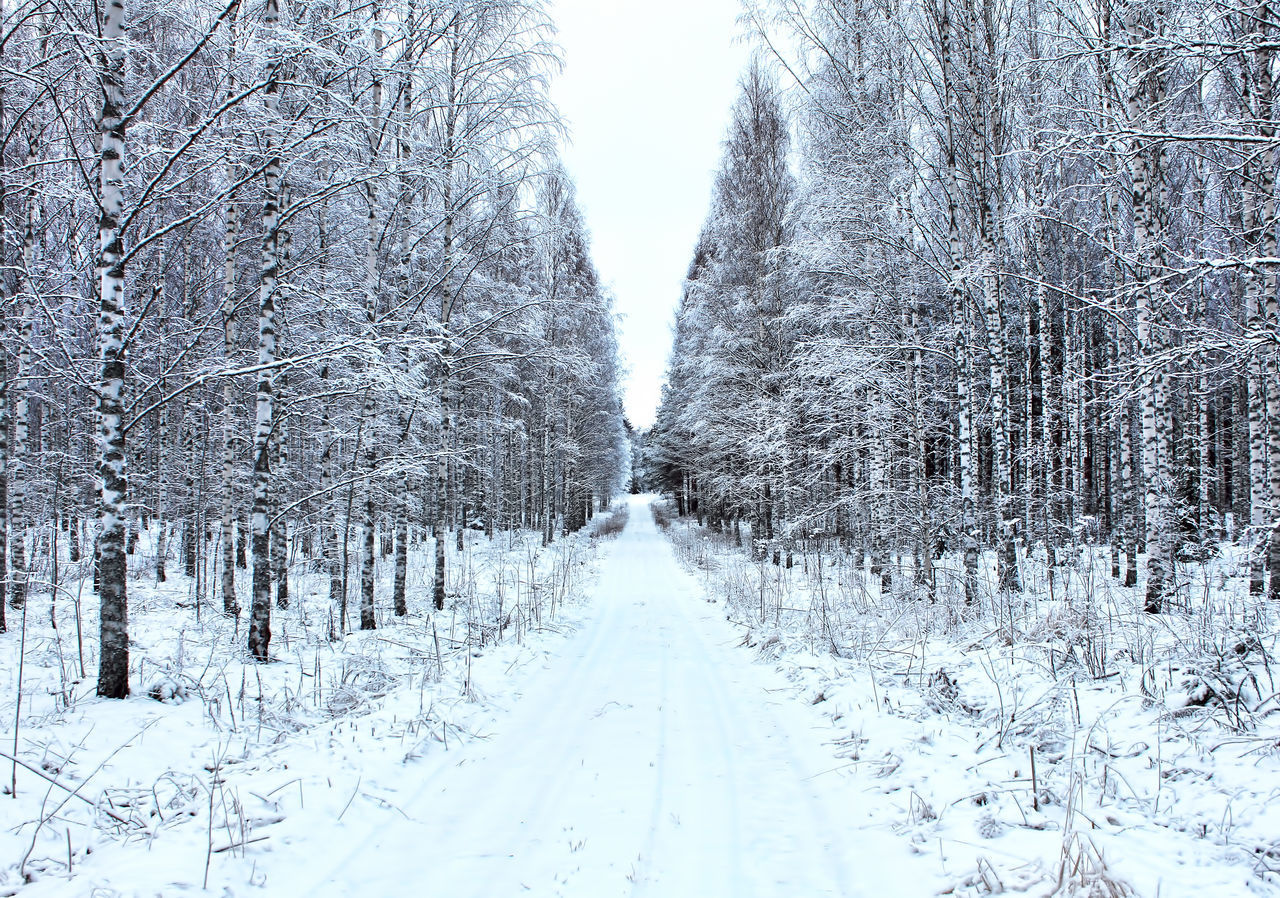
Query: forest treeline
[
  {"x": 287, "y": 283},
  {"x": 989, "y": 274}
]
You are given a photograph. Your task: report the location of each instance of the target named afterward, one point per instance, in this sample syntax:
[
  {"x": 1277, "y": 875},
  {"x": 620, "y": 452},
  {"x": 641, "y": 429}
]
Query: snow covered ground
[
  {"x": 641, "y": 744},
  {"x": 249, "y": 778},
  {"x": 648, "y": 757},
  {"x": 1072, "y": 746}
]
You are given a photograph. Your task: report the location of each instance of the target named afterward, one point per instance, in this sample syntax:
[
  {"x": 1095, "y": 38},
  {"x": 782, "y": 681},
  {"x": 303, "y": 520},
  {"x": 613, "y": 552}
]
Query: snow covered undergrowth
[
  {"x": 225, "y": 763},
  {"x": 1069, "y": 746}
]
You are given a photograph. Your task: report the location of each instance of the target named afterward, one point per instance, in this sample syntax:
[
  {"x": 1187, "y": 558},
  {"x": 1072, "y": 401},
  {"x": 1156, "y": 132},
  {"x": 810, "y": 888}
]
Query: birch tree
[
  {"x": 113, "y": 669},
  {"x": 260, "y": 608}
]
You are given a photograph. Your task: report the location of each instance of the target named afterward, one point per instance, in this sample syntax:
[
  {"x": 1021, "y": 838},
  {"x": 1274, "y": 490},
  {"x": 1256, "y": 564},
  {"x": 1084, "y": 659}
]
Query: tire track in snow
[
  {"x": 551, "y": 690},
  {"x": 542, "y": 725},
  {"x": 721, "y": 837},
  {"x": 640, "y": 877},
  {"x": 749, "y": 720},
  {"x": 645, "y": 760}
]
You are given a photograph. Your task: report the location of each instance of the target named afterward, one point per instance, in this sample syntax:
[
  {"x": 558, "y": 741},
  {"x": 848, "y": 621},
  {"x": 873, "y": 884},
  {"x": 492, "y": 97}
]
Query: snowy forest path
[{"x": 648, "y": 758}]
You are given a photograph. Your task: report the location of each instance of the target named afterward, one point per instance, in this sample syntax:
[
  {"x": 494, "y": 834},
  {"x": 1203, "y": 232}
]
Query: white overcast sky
[{"x": 646, "y": 90}]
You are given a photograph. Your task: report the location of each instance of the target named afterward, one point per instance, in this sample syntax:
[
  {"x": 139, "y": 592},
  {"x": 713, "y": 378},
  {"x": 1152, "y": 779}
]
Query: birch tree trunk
[
  {"x": 1273, "y": 408},
  {"x": 399, "y": 600},
  {"x": 1129, "y": 524},
  {"x": 113, "y": 665},
  {"x": 377, "y": 125},
  {"x": 964, "y": 400},
  {"x": 260, "y": 608},
  {"x": 230, "y": 603},
  {"x": 21, "y": 438},
  {"x": 1073, "y": 419},
  {"x": 442, "y": 473},
  {"x": 1204, "y": 474},
  {"x": 1030, "y": 479},
  {"x": 989, "y": 127},
  {"x": 876, "y": 480},
  {"x": 160, "y": 523},
  {"x": 19, "y": 574},
  {"x": 332, "y": 545},
  {"x": 1269, "y": 313},
  {"x": 280, "y": 529},
  {"x": 1048, "y": 405},
  {"x": 191, "y": 528},
  {"x": 1272, "y": 368},
  {"x": 1124, "y": 513},
  {"x": 4, "y": 377},
  {"x": 997, "y": 351},
  {"x": 368, "y": 621},
  {"x": 231, "y": 234},
  {"x": 1144, "y": 168},
  {"x": 1256, "y": 385},
  {"x": 959, "y": 312},
  {"x": 330, "y": 541},
  {"x": 447, "y": 300},
  {"x": 924, "y": 572},
  {"x": 160, "y": 517},
  {"x": 404, "y": 154},
  {"x": 4, "y": 438}
]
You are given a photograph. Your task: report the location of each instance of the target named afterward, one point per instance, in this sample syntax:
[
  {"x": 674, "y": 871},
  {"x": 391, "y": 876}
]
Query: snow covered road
[{"x": 649, "y": 757}]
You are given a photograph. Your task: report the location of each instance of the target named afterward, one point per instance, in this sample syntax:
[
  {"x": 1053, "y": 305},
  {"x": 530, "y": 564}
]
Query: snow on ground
[
  {"x": 824, "y": 740},
  {"x": 1075, "y": 747},
  {"x": 648, "y": 758},
  {"x": 249, "y": 777}
]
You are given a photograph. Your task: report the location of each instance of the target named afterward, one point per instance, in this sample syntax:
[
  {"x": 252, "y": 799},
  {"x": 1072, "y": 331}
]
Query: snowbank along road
[{"x": 650, "y": 757}]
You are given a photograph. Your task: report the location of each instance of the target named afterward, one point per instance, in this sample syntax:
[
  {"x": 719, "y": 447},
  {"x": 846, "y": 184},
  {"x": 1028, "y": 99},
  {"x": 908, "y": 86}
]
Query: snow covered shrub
[
  {"x": 943, "y": 691},
  {"x": 661, "y": 514},
  {"x": 1082, "y": 872},
  {"x": 165, "y": 688},
  {"x": 741, "y": 586},
  {"x": 989, "y": 827},
  {"x": 1073, "y": 635},
  {"x": 362, "y": 679},
  {"x": 770, "y": 646},
  {"x": 608, "y": 526},
  {"x": 1226, "y": 680}
]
